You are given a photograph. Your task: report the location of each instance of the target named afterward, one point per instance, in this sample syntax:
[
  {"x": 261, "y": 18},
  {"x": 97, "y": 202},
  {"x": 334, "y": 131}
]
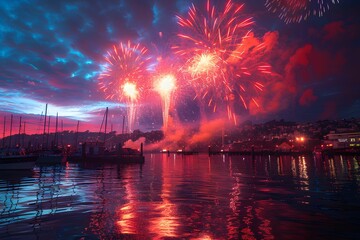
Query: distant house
[{"x": 285, "y": 147}]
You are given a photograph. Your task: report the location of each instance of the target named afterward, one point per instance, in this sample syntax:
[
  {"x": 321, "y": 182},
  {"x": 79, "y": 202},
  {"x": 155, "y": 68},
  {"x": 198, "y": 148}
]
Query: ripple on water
[{"x": 191, "y": 197}]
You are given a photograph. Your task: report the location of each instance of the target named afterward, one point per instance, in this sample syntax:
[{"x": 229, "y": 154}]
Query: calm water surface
[{"x": 185, "y": 197}]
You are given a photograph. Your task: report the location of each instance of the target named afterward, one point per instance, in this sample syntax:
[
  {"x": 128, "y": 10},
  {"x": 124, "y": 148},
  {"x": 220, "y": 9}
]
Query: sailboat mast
[
  {"x": 4, "y": 132},
  {"x": 23, "y": 138},
  {"x": 123, "y": 125},
  {"x": 43, "y": 140},
  {"x": 106, "y": 117},
  {"x": 11, "y": 120},
  {"x": 77, "y": 134},
  {"x": 62, "y": 132},
  {"x": 19, "y": 138},
  {"x": 56, "y": 130},
  {"x": 45, "y": 119},
  {"x": 48, "y": 134}
]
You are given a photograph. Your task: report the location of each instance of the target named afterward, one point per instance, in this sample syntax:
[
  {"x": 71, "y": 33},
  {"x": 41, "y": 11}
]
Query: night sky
[{"x": 54, "y": 51}]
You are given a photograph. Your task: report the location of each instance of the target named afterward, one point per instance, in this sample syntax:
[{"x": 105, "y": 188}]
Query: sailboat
[
  {"x": 53, "y": 155},
  {"x": 15, "y": 158},
  {"x": 96, "y": 151}
]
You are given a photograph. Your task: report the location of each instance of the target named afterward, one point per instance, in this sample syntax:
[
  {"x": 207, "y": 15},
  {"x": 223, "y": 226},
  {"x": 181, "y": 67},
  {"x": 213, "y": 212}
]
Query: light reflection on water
[{"x": 185, "y": 197}]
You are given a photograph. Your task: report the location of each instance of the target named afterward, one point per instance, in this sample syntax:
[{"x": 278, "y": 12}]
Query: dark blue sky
[{"x": 53, "y": 52}]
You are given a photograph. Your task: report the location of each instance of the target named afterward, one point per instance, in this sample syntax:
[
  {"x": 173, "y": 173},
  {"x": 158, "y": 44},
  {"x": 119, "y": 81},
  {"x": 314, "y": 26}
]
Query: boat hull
[
  {"x": 131, "y": 158},
  {"x": 50, "y": 159},
  {"x": 17, "y": 162},
  {"x": 117, "y": 158}
]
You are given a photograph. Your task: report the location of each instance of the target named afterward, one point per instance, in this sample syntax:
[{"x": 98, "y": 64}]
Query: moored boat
[
  {"x": 16, "y": 159},
  {"x": 95, "y": 151},
  {"x": 51, "y": 157}
]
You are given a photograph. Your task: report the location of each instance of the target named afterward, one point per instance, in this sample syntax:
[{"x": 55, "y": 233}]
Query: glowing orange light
[
  {"x": 130, "y": 90},
  {"x": 204, "y": 63},
  {"x": 165, "y": 84},
  {"x": 125, "y": 61},
  {"x": 300, "y": 139}
]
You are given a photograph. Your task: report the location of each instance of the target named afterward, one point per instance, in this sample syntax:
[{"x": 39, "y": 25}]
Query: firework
[
  {"x": 123, "y": 78},
  {"x": 219, "y": 62},
  {"x": 298, "y": 10},
  {"x": 131, "y": 92},
  {"x": 165, "y": 85},
  {"x": 204, "y": 64}
]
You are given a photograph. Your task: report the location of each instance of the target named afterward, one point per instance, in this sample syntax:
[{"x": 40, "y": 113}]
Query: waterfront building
[{"x": 342, "y": 140}]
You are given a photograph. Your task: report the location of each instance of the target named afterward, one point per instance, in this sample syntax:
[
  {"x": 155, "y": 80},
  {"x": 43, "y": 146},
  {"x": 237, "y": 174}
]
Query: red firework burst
[
  {"x": 219, "y": 63},
  {"x": 298, "y": 10},
  {"x": 124, "y": 76},
  {"x": 126, "y": 66}
]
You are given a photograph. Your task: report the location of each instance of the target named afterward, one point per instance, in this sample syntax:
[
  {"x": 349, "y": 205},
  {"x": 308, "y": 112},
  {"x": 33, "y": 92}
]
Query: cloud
[
  {"x": 324, "y": 65},
  {"x": 207, "y": 131},
  {"x": 276, "y": 97},
  {"x": 254, "y": 49},
  {"x": 189, "y": 137},
  {"x": 134, "y": 144},
  {"x": 53, "y": 52},
  {"x": 334, "y": 31},
  {"x": 307, "y": 97},
  {"x": 310, "y": 64},
  {"x": 299, "y": 59}
]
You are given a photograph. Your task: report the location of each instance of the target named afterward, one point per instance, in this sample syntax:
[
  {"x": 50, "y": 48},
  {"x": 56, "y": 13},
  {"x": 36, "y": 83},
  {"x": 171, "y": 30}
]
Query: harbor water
[{"x": 185, "y": 197}]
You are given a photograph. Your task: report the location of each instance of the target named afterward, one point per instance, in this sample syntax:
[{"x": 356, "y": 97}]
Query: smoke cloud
[{"x": 187, "y": 137}]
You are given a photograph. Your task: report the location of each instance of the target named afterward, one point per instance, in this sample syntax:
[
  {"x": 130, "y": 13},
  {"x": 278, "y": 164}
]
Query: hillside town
[
  {"x": 291, "y": 136},
  {"x": 275, "y": 135}
]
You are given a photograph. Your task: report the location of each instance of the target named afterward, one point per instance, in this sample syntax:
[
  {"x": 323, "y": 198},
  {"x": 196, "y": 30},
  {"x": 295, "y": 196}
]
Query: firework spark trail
[
  {"x": 130, "y": 90},
  {"x": 165, "y": 85},
  {"x": 123, "y": 75},
  {"x": 292, "y": 11},
  {"x": 214, "y": 44}
]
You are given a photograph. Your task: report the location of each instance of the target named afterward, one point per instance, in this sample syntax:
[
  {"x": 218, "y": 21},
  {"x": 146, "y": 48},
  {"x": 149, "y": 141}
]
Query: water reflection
[
  {"x": 10, "y": 202},
  {"x": 247, "y": 219},
  {"x": 127, "y": 212},
  {"x": 185, "y": 197},
  {"x": 165, "y": 221},
  {"x": 113, "y": 206}
]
